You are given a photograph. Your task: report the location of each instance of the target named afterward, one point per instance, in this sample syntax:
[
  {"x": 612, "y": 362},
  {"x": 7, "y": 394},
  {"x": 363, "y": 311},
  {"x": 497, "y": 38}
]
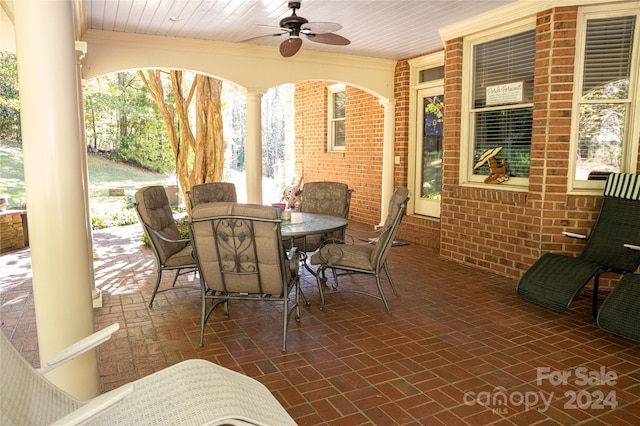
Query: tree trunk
[
  {"x": 122, "y": 119},
  {"x": 206, "y": 146}
]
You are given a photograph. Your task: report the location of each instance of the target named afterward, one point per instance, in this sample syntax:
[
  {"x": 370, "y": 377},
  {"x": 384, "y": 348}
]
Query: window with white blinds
[
  {"x": 502, "y": 107},
  {"x": 604, "y": 129},
  {"x": 607, "y": 58}
]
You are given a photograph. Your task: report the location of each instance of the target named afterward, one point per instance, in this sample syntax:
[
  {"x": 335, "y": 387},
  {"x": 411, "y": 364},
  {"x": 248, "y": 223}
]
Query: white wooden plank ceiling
[{"x": 388, "y": 29}]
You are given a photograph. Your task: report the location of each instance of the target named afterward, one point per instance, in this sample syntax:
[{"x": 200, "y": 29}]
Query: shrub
[
  {"x": 107, "y": 219},
  {"x": 117, "y": 214}
]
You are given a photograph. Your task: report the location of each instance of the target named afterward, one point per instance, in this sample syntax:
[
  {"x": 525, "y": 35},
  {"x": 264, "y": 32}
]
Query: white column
[
  {"x": 253, "y": 147},
  {"x": 54, "y": 162},
  {"x": 81, "y": 50},
  {"x": 388, "y": 155}
]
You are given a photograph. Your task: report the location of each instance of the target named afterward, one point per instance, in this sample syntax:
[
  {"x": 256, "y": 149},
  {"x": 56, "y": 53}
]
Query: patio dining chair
[
  {"x": 613, "y": 246},
  {"x": 212, "y": 191},
  {"x": 240, "y": 255},
  {"x": 620, "y": 311},
  {"x": 329, "y": 198},
  {"x": 171, "y": 251},
  {"x": 363, "y": 258},
  {"x": 192, "y": 392}
]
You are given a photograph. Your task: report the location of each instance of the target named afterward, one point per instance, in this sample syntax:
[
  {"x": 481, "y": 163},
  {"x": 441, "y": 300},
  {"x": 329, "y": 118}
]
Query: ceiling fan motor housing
[
  {"x": 319, "y": 32},
  {"x": 294, "y": 22}
]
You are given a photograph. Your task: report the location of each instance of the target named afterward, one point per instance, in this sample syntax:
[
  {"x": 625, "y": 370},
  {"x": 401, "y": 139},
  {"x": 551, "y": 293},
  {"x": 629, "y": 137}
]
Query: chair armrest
[
  {"x": 347, "y": 239},
  {"x": 96, "y": 406},
  {"x": 78, "y": 348},
  {"x": 162, "y": 237},
  {"x": 294, "y": 261},
  {"x": 573, "y": 235},
  {"x": 632, "y": 247},
  {"x": 186, "y": 240},
  {"x": 333, "y": 241}
]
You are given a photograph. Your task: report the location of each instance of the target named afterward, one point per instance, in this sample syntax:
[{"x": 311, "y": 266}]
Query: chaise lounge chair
[
  {"x": 613, "y": 246},
  {"x": 191, "y": 392},
  {"x": 620, "y": 311}
]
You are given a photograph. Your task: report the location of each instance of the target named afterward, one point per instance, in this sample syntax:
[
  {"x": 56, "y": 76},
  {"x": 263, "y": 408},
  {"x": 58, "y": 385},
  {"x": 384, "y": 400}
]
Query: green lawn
[
  {"x": 109, "y": 211},
  {"x": 11, "y": 174},
  {"x": 103, "y": 174}
]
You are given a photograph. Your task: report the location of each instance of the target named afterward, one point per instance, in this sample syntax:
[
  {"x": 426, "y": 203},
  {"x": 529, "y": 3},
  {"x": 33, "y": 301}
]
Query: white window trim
[
  {"x": 331, "y": 91},
  {"x": 632, "y": 131},
  {"x": 467, "y": 178}
]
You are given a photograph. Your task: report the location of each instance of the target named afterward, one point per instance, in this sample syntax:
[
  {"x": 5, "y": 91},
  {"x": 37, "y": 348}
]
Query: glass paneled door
[{"x": 428, "y": 165}]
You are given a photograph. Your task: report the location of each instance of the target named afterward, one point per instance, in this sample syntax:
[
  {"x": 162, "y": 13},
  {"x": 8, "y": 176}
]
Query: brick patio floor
[{"x": 459, "y": 347}]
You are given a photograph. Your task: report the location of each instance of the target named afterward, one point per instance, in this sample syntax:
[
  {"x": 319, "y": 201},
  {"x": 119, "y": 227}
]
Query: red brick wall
[
  {"x": 480, "y": 226},
  {"x": 360, "y": 165},
  {"x": 501, "y": 229},
  {"x": 492, "y": 227}
]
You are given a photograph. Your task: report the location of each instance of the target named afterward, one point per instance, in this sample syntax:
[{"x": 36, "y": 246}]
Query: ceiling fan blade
[
  {"x": 334, "y": 39},
  {"x": 259, "y": 37},
  {"x": 290, "y": 46},
  {"x": 320, "y": 27}
]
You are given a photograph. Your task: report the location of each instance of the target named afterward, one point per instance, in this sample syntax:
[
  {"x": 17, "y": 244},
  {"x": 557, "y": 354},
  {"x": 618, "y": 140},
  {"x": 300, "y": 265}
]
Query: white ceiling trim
[
  {"x": 256, "y": 68},
  {"x": 509, "y": 13}
]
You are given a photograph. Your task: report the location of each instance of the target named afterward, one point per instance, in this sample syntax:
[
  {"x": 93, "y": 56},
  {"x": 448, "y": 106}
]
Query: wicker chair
[
  {"x": 193, "y": 392},
  {"x": 212, "y": 191},
  {"x": 171, "y": 251},
  {"x": 239, "y": 251},
  {"x": 363, "y": 258},
  {"x": 613, "y": 246}
]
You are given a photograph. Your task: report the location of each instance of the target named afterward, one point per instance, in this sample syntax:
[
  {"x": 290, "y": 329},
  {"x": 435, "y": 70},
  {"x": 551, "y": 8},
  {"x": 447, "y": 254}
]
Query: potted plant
[{"x": 172, "y": 188}]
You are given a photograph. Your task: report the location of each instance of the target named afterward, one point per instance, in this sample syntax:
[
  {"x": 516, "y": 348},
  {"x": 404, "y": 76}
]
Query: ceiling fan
[{"x": 296, "y": 26}]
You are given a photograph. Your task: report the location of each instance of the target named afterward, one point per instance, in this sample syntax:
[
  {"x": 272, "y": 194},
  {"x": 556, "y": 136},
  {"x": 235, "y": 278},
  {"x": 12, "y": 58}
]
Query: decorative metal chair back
[
  {"x": 239, "y": 248},
  {"x": 212, "y": 191}
]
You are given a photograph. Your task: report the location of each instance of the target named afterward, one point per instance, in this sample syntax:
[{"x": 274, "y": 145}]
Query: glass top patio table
[{"x": 303, "y": 224}]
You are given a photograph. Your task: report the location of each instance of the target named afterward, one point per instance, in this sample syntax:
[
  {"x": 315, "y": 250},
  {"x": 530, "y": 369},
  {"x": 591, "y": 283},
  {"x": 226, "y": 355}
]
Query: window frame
[
  {"x": 467, "y": 160},
  {"x": 332, "y": 120},
  {"x": 417, "y": 65},
  {"x": 632, "y": 126}
]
